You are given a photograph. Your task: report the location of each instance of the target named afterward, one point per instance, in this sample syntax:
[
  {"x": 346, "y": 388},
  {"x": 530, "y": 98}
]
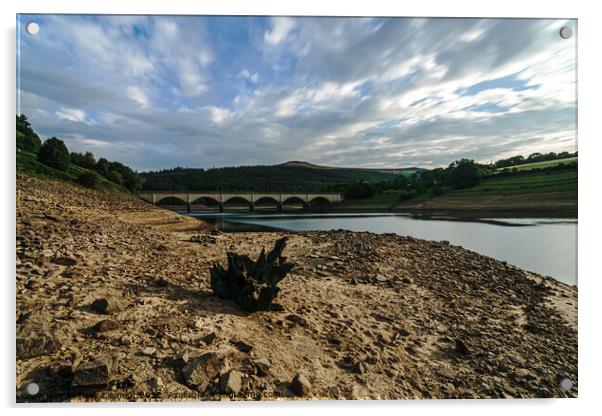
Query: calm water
[{"x": 546, "y": 246}]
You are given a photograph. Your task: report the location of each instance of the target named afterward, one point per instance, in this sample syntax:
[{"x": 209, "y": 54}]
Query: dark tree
[
  {"x": 54, "y": 153},
  {"x": 464, "y": 173},
  {"x": 89, "y": 180},
  {"x": 27, "y": 139},
  {"x": 85, "y": 160},
  {"x": 360, "y": 189}
]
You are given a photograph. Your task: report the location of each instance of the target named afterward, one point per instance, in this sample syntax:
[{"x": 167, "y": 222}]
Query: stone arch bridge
[{"x": 251, "y": 198}]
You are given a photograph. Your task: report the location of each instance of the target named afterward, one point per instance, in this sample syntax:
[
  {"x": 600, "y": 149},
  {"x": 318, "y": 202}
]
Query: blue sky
[{"x": 162, "y": 91}]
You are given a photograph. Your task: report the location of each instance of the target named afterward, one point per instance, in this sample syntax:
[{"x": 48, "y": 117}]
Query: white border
[{"x": 590, "y": 120}]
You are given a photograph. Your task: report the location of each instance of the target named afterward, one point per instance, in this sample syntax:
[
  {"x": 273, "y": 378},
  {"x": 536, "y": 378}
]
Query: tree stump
[{"x": 251, "y": 284}]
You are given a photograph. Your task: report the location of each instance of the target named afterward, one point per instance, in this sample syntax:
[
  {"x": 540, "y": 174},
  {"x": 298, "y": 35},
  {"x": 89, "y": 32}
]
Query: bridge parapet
[{"x": 154, "y": 197}]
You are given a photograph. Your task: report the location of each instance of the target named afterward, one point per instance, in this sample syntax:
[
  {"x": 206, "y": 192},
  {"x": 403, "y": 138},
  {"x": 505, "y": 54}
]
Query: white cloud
[
  {"x": 219, "y": 115},
  {"x": 72, "y": 114},
  {"x": 281, "y": 26},
  {"x": 137, "y": 95},
  {"x": 254, "y": 78}
]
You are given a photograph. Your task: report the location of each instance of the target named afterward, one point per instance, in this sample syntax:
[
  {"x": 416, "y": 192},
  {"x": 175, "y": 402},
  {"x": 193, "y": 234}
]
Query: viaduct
[{"x": 221, "y": 198}]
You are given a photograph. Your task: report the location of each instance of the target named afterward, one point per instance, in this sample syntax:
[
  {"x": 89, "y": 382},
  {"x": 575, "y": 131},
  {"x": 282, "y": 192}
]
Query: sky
[{"x": 156, "y": 92}]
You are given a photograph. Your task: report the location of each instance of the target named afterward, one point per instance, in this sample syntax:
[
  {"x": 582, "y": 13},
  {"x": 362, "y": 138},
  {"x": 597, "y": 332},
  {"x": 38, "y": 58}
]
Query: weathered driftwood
[{"x": 251, "y": 284}]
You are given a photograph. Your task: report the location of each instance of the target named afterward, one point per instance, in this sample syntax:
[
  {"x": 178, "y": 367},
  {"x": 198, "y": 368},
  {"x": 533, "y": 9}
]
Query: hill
[{"x": 292, "y": 176}]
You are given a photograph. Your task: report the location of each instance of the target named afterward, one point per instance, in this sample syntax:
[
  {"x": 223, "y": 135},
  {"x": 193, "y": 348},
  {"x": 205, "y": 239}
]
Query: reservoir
[{"x": 547, "y": 246}]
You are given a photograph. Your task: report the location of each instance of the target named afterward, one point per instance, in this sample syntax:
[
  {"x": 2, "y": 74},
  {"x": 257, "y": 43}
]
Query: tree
[
  {"x": 102, "y": 167},
  {"x": 27, "y": 139},
  {"x": 54, "y": 153},
  {"x": 85, "y": 160},
  {"x": 464, "y": 173},
  {"x": 400, "y": 182},
  {"x": 115, "y": 177},
  {"x": 360, "y": 189},
  {"x": 89, "y": 180}
]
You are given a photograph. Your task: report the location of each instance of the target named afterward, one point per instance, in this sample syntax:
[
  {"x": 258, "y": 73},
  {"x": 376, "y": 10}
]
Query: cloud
[
  {"x": 72, "y": 114},
  {"x": 165, "y": 91},
  {"x": 136, "y": 94},
  {"x": 219, "y": 115},
  {"x": 281, "y": 26}
]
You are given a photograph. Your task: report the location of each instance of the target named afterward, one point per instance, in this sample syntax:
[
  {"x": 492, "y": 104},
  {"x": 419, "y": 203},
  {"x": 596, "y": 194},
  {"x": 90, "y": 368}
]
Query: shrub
[
  {"x": 89, "y": 180},
  {"x": 465, "y": 173},
  {"x": 54, "y": 153},
  {"x": 408, "y": 194},
  {"x": 436, "y": 191}
]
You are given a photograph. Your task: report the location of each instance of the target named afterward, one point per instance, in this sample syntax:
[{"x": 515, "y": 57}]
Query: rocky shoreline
[{"x": 114, "y": 304}]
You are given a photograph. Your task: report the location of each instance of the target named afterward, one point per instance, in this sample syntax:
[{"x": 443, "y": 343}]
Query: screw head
[
  {"x": 566, "y": 384},
  {"x": 32, "y": 28},
  {"x": 566, "y": 32},
  {"x": 32, "y": 389}
]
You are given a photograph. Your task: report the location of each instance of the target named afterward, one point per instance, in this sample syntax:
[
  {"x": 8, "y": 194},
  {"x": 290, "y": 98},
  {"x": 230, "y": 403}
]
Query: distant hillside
[
  {"x": 395, "y": 171},
  {"x": 294, "y": 176}
]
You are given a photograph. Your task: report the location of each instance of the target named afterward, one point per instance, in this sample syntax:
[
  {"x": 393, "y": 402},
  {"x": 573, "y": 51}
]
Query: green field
[
  {"x": 540, "y": 182},
  {"x": 28, "y": 163},
  {"x": 529, "y": 191},
  {"x": 541, "y": 165}
]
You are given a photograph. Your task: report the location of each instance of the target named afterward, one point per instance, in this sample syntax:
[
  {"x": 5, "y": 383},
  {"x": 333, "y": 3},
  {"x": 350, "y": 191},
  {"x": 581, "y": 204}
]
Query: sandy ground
[{"x": 362, "y": 316}]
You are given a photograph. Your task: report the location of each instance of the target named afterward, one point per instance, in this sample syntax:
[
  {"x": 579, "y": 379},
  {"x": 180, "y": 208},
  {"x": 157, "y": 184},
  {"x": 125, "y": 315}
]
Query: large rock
[
  {"x": 200, "y": 371},
  {"x": 301, "y": 385},
  {"x": 105, "y": 325},
  {"x": 94, "y": 373},
  {"x": 231, "y": 382},
  {"x": 262, "y": 365},
  {"x": 108, "y": 305}
]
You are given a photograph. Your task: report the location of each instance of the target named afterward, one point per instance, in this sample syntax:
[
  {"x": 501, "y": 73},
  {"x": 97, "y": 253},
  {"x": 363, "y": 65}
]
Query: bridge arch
[
  {"x": 320, "y": 202},
  {"x": 267, "y": 202},
  {"x": 205, "y": 203},
  {"x": 294, "y": 201},
  {"x": 239, "y": 200}
]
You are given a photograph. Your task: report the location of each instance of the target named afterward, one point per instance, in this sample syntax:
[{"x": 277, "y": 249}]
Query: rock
[
  {"x": 209, "y": 338},
  {"x": 64, "y": 261},
  {"x": 242, "y": 346},
  {"x": 359, "y": 367},
  {"x": 54, "y": 218},
  {"x": 148, "y": 351},
  {"x": 36, "y": 342},
  {"x": 61, "y": 369},
  {"x": 461, "y": 347},
  {"x": 105, "y": 325},
  {"x": 108, "y": 305},
  {"x": 93, "y": 373},
  {"x": 296, "y": 319},
  {"x": 156, "y": 383},
  {"x": 231, "y": 382},
  {"x": 262, "y": 366},
  {"x": 200, "y": 371},
  {"x": 300, "y": 385}
]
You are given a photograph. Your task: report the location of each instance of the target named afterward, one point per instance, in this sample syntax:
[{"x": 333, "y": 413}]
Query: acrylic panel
[{"x": 295, "y": 208}]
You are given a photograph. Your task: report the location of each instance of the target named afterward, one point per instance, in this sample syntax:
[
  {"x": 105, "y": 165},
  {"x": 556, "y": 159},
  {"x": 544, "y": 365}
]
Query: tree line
[
  {"x": 54, "y": 153},
  {"x": 532, "y": 158}
]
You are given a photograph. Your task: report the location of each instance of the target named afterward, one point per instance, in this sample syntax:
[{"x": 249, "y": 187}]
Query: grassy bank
[
  {"x": 28, "y": 163},
  {"x": 537, "y": 192},
  {"x": 542, "y": 165}
]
